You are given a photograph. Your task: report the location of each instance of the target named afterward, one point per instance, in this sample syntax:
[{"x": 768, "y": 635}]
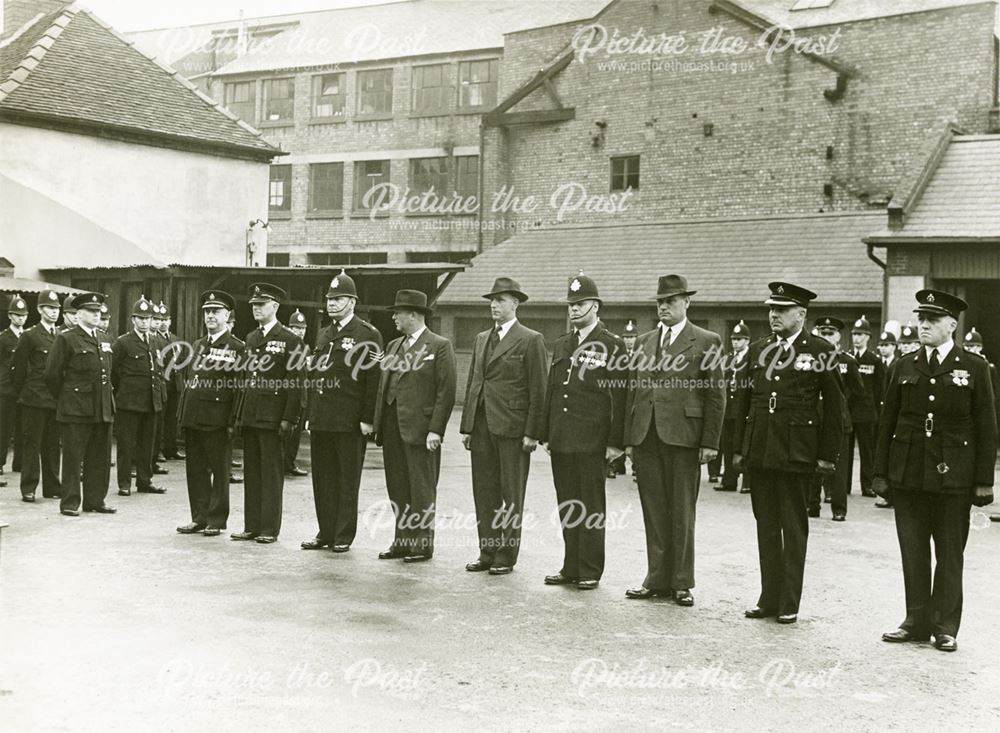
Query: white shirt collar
[
  {"x": 586, "y": 331},
  {"x": 943, "y": 350},
  {"x": 86, "y": 330},
  {"x": 268, "y": 327},
  {"x": 675, "y": 329},
  {"x": 212, "y": 338},
  {"x": 792, "y": 339},
  {"x": 347, "y": 319},
  {"x": 506, "y": 327},
  {"x": 412, "y": 338},
  {"x": 17, "y": 331}
]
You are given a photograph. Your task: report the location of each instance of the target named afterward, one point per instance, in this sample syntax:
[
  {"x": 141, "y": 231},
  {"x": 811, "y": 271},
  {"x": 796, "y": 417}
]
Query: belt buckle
[
  {"x": 928, "y": 426},
  {"x": 772, "y": 403}
]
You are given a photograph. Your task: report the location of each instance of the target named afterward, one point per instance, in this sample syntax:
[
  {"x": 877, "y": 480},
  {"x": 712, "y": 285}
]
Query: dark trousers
[
  {"x": 579, "y": 480},
  {"x": 864, "y": 435},
  {"x": 944, "y": 518},
  {"x": 411, "y": 476},
  {"x": 499, "y": 477},
  {"x": 668, "y": 492},
  {"x": 40, "y": 446},
  {"x": 84, "y": 444},
  {"x": 134, "y": 432},
  {"x": 292, "y": 441},
  {"x": 170, "y": 424},
  {"x": 10, "y": 431},
  {"x": 836, "y": 486},
  {"x": 730, "y": 475},
  {"x": 206, "y": 463},
  {"x": 263, "y": 481},
  {"x": 779, "y": 506},
  {"x": 337, "y": 460},
  {"x": 157, "y": 437}
]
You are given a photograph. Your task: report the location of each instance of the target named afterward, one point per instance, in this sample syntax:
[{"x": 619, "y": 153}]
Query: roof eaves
[
  {"x": 37, "y": 52},
  {"x": 898, "y": 210}
]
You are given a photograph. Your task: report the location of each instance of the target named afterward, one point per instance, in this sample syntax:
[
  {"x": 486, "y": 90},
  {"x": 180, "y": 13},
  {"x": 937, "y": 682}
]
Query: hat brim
[
  {"x": 89, "y": 307},
  {"x": 426, "y": 310},
  {"x": 216, "y": 304},
  {"x": 263, "y": 299},
  {"x": 581, "y": 298},
  {"x": 933, "y": 310},
  {"x": 672, "y": 293},
  {"x": 784, "y": 302},
  {"x": 516, "y": 293}
]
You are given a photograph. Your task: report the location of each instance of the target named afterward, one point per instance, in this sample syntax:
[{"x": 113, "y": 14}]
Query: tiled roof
[
  {"x": 962, "y": 196},
  {"x": 728, "y": 261},
  {"x": 71, "y": 67},
  {"x": 845, "y": 11}
]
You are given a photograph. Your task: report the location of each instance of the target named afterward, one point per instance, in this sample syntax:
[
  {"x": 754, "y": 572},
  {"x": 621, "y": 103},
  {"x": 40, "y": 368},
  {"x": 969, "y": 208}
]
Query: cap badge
[
  {"x": 211, "y": 296},
  {"x": 858, "y": 322},
  {"x": 256, "y": 291},
  {"x": 93, "y": 298},
  {"x": 335, "y": 283},
  {"x": 781, "y": 289},
  {"x": 930, "y": 297},
  {"x": 575, "y": 285}
]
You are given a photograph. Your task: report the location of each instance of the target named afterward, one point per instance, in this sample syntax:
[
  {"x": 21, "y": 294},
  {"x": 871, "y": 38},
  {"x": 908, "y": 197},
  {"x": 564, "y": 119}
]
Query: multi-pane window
[
  {"x": 375, "y": 92},
  {"x": 326, "y": 187},
  {"x": 625, "y": 173},
  {"x": 280, "y": 188},
  {"x": 477, "y": 83},
  {"x": 328, "y": 95},
  {"x": 429, "y": 174},
  {"x": 430, "y": 90},
  {"x": 241, "y": 99},
  {"x": 346, "y": 259},
  {"x": 467, "y": 175},
  {"x": 367, "y": 175},
  {"x": 279, "y": 99}
]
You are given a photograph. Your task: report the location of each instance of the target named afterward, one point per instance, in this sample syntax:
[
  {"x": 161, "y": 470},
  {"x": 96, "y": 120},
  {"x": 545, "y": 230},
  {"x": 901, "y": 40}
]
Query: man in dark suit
[
  {"x": 674, "y": 415},
  {"x": 865, "y": 414},
  {"x": 268, "y": 408},
  {"x": 785, "y": 438},
  {"x": 138, "y": 381},
  {"x": 736, "y": 369},
  {"x": 10, "y": 421},
  {"x": 78, "y": 374},
  {"x": 936, "y": 452},
  {"x": 40, "y": 431},
  {"x": 416, "y": 393},
  {"x": 206, "y": 413},
  {"x": 298, "y": 325},
  {"x": 341, "y": 409},
  {"x": 501, "y": 422},
  {"x": 583, "y": 431}
]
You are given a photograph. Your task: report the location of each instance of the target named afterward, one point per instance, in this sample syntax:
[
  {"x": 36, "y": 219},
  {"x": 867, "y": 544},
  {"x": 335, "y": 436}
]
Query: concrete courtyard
[{"x": 118, "y": 623}]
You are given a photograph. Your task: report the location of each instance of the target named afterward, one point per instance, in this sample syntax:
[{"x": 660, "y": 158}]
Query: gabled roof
[
  {"x": 71, "y": 71},
  {"x": 728, "y": 261}
]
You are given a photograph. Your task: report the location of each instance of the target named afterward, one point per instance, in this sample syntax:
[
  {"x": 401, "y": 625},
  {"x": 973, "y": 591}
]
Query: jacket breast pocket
[
  {"x": 908, "y": 384},
  {"x": 803, "y": 441}
]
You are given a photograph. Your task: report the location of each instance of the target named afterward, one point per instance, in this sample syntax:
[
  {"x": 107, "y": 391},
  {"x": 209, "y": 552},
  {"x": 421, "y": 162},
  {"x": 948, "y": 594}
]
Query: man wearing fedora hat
[
  {"x": 416, "y": 393},
  {"x": 501, "y": 423},
  {"x": 341, "y": 410},
  {"x": 582, "y": 430},
  {"x": 10, "y": 421},
  {"x": 935, "y": 456},
  {"x": 674, "y": 414},
  {"x": 266, "y": 411}
]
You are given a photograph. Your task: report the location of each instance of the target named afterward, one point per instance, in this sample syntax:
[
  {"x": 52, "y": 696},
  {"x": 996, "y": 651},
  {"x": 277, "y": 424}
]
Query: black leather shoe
[
  {"x": 296, "y": 471},
  {"x": 501, "y": 570},
  {"x": 587, "y": 584},
  {"x": 178, "y": 456},
  {"x": 826, "y": 500},
  {"x": 212, "y": 531},
  {"x": 758, "y": 612},
  {"x": 417, "y": 558},
  {"x": 900, "y": 636},
  {"x": 744, "y": 490},
  {"x": 391, "y": 554},
  {"x": 813, "y": 512},
  {"x": 70, "y": 512},
  {"x": 838, "y": 517},
  {"x": 478, "y": 566},
  {"x": 151, "y": 489},
  {"x": 265, "y": 539},
  {"x": 641, "y": 593},
  {"x": 191, "y": 528},
  {"x": 883, "y": 504},
  {"x": 235, "y": 478},
  {"x": 868, "y": 493},
  {"x": 558, "y": 579},
  {"x": 945, "y": 643},
  {"x": 788, "y": 618},
  {"x": 102, "y": 509},
  {"x": 683, "y": 598},
  {"x": 124, "y": 492},
  {"x": 29, "y": 498},
  {"x": 160, "y": 471},
  {"x": 340, "y": 548},
  {"x": 316, "y": 544},
  {"x": 242, "y": 536}
]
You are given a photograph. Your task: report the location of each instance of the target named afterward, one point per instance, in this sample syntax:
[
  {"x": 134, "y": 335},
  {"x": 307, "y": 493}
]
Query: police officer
[
  {"x": 736, "y": 368},
  {"x": 298, "y": 325},
  {"x": 174, "y": 383},
  {"x": 78, "y": 374},
  {"x": 908, "y": 341},
  {"x": 343, "y": 386},
  {"x": 105, "y": 323},
  {"x": 10, "y": 423},
  {"x": 138, "y": 381},
  {"x": 207, "y": 412},
  {"x": 865, "y": 414},
  {"x": 630, "y": 334},
  {"x": 582, "y": 430},
  {"x": 887, "y": 349},
  {"x": 39, "y": 429},
  {"x": 973, "y": 343},
  {"x": 784, "y": 438},
  {"x": 268, "y": 408},
  {"x": 69, "y": 314},
  {"x": 936, "y": 451}
]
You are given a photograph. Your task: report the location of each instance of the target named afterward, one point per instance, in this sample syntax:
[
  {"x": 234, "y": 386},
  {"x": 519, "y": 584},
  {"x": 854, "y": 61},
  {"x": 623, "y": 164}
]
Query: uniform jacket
[
  {"x": 272, "y": 393},
  {"x": 426, "y": 388},
  {"x": 872, "y": 372},
  {"x": 208, "y": 401},
  {"x": 29, "y": 367},
  {"x": 8, "y": 343},
  {"x": 855, "y": 396},
  {"x": 78, "y": 374},
  {"x": 938, "y": 430},
  {"x": 338, "y": 401},
  {"x": 512, "y": 384},
  {"x": 175, "y": 382},
  {"x": 736, "y": 372},
  {"x": 688, "y": 413},
  {"x": 584, "y": 409},
  {"x": 779, "y": 424},
  {"x": 136, "y": 373}
]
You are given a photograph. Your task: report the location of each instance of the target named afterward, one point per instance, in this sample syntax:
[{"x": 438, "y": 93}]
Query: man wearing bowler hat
[
  {"x": 501, "y": 423},
  {"x": 78, "y": 374},
  {"x": 582, "y": 430},
  {"x": 341, "y": 408},
  {"x": 936, "y": 451},
  {"x": 206, "y": 413},
  {"x": 268, "y": 408},
  {"x": 674, "y": 414},
  {"x": 416, "y": 393},
  {"x": 784, "y": 437}
]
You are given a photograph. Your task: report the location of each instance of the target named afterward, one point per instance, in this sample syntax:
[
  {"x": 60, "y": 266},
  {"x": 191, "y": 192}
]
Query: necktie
[
  {"x": 668, "y": 337},
  {"x": 933, "y": 360},
  {"x": 336, "y": 327},
  {"x": 492, "y": 342},
  {"x": 578, "y": 337}
]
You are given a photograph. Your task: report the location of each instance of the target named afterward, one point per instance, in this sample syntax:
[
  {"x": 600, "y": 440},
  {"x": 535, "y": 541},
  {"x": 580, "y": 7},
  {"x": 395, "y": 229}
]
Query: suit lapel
[
  {"x": 685, "y": 339},
  {"x": 507, "y": 342}
]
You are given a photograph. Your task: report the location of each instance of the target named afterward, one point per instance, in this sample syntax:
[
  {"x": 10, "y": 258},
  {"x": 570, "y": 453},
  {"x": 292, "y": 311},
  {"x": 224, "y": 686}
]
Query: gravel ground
[{"x": 118, "y": 623}]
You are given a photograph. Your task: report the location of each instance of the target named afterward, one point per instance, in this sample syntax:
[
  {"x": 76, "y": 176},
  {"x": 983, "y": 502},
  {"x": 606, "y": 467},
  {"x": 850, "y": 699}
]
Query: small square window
[{"x": 625, "y": 173}]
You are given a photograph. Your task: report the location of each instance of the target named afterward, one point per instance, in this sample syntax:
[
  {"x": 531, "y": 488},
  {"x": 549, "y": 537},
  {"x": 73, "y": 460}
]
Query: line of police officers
[{"x": 796, "y": 404}]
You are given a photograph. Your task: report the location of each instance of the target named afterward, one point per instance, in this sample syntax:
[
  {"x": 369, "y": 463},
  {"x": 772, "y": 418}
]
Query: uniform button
[
  {"x": 565, "y": 396},
  {"x": 933, "y": 381},
  {"x": 777, "y": 378},
  {"x": 931, "y": 398},
  {"x": 774, "y": 394},
  {"x": 930, "y": 414},
  {"x": 565, "y": 409}
]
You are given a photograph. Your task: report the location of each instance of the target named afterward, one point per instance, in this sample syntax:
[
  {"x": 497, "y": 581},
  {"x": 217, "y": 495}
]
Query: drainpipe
[{"x": 482, "y": 182}]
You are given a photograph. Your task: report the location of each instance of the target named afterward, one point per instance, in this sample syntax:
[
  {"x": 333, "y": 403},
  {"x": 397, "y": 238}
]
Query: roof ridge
[
  {"x": 711, "y": 220},
  {"x": 38, "y": 49}
]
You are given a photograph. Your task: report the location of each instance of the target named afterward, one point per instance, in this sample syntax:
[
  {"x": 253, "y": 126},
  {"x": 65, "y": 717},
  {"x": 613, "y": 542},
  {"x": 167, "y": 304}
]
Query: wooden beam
[
  {"x": 532, "y": 84},
  {"x": 551, "y": 89},
  {"x": 529, "y": 118}
]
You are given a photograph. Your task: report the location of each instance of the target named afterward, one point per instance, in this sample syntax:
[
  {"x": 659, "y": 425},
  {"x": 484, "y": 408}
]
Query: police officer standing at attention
[
  {"x": 582, "y": 431},
  {"x": 39, "y": 429},
  {"x": 784, "y": 438},
  {"x": 138, "y": 381},
  {"x": 908, "y": 341},
  {"x": 10, "y": 427},
  {"x": 887, "y": 349},
  {"x": 174, "y": 384},
  {"x": 936, "y": 451},
  {"x": 207, "y": 412},
  {"x": 630, "y": 335},
  {"x": 865, "y": 415},
  {"x": 736, "y": 370},
  {"x": 973, "y": 343},
  {"x": 298, "y": 325},
  {"x": 343, "y": 384},
  {"x": 269, "y": 407},
  {"x": 78, "y": 374},
  {"x": 69, "y": 314}
]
